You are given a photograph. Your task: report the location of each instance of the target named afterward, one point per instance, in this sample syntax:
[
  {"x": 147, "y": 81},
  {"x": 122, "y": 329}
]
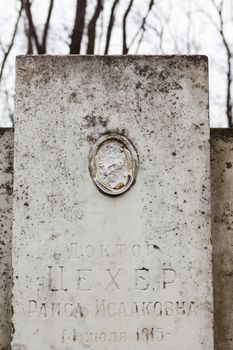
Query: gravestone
[
  {"x": 222, "y": 215},
  {"x": 112, "y": 244},
  {"x": 6, "y": 199}
]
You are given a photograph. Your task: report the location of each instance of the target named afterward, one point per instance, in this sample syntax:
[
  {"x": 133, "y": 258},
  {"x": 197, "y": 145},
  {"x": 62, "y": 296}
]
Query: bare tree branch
[
  {"x": 101, "y": 33},
  {"x": 125, "y": 48},
  {"x": 77, "y": 34},
  {"x": 229, "y": 70},
  {"x": 7, "y": 52},
  {"x": 110, "y": 26},
  {"x": 32, "y": 33},
  {"x": 189, "y": 18},
  {"x": 32, "y": 30},
  {"x": 142, "y": 27},
  {"x": 161, "y": 21},
  {"x": 229, "y": 54},
  {"x": 46, "y": 27},
  {"x": 92, "y": 28},
  {"x": 28, "y": 36}
]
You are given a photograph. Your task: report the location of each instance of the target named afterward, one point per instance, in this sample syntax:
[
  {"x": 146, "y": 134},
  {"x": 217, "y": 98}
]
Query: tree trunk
[
  {"x": 79, "y": 23},
  {"x": 110, "y": 26},
  {"x": 125, "y": 47},
  {"x": 92, "y": 28}
]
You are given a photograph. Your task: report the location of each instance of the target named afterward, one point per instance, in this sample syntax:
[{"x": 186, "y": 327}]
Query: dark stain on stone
[
  {"x": 93, "y": 121},
  {"x": 229, "y": 274},
  {"x": 9, "y": 188},
  {"x": 138, "y": 85},
  {"x": 144, "y": 269},
  {"x": 9, "y": 169},
  {"x": 103, "y": 121},
  {"x": 229, "y": 165},
  {"x": 81, "y": 312},
  {"x": 73, "y": 97},
  {"x": 91, "y": 138},
  {"x": 90, "y": 121}
]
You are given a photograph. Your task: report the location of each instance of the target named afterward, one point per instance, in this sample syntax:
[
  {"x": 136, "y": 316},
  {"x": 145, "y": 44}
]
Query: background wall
[
  {"x": 120, "y": 27},
  {"x": 6, "y": 176},
  {"x": 222, "y": 234}
]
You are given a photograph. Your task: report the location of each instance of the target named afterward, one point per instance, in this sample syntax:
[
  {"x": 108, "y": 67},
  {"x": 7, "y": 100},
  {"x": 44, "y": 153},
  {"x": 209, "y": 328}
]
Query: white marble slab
[{"x": 123, "y": 271}]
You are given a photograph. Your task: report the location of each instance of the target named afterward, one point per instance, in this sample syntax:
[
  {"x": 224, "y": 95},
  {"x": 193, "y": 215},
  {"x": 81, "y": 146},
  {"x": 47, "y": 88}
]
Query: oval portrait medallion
[{"x": 113, "y": 164}]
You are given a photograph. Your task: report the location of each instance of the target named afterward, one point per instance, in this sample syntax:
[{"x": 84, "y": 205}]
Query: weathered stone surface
[
  {"x": 222, "y": 212},
  {"x": 6, "y": 163},
  {"x": 131, "y": 271}
]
